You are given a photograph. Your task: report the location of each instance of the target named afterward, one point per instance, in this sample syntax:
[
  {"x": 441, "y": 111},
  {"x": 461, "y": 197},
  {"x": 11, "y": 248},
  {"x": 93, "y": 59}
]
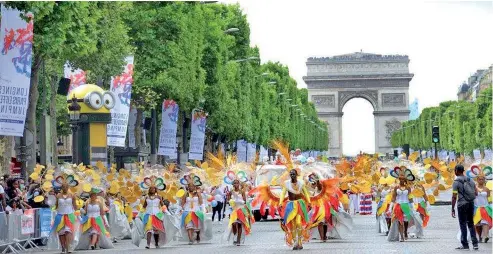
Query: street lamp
[
  {"x": 283, "y": 93},
  {"x": 74, "y": 110},
  {"x": 74, "y": 113},
  {"x": 289, "y": 99},
  {"x": 294, "y": 105},
  {"x": 272, "y": 82},
  {"x": 231, "y": 30},
  {"x": 246, "y": 59}
]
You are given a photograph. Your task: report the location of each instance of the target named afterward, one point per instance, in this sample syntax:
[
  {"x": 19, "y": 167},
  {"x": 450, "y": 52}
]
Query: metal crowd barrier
[{"x": 12, "y": 238}]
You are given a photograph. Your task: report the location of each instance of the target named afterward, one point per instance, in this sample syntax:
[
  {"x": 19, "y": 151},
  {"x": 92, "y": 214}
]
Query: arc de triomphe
[{"x": 383, "y": 80}]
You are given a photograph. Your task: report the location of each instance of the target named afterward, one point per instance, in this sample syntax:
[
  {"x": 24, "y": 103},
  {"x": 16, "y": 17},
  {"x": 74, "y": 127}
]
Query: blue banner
[{"x": 45, "y": 217}]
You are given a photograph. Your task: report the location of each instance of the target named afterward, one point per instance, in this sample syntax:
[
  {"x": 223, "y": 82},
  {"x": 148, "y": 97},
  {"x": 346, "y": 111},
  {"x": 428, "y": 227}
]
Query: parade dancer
[
  {"x": 155, "y": 222},
  {"x": 295, "y": 220},
  {"x": 240, "y": 219},
  {"x": 482, "y": 212},
  {"x": 327, "y": 213},
  {"x": 383, "y": 204},
  {"x": 403, "y": 215},
  {"x": 117, "y": 220},
  {"x": 193, "y": 216},
  {"x": 66, "y": 224},
  {"x": 94, "y": 229}
]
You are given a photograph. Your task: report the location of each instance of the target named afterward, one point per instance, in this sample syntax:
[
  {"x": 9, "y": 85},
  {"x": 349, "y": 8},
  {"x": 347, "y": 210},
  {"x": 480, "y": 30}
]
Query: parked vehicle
[{"x": 265, "y": 174}]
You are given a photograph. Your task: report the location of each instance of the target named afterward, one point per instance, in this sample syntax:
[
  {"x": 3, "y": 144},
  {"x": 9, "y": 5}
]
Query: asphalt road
[{"x": 440, "y": 237}]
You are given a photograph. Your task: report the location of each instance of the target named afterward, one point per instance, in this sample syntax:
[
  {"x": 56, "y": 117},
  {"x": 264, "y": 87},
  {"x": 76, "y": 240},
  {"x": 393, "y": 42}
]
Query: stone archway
[{"x": 382, "y": 80}]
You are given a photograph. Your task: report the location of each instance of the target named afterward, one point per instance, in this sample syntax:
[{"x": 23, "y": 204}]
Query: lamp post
[
  {"x": 231, "y": 30},
  {"x": 74, "y": 113}
]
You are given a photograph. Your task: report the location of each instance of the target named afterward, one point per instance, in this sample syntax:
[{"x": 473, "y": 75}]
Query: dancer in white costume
[{"x": 94, "y": 229}]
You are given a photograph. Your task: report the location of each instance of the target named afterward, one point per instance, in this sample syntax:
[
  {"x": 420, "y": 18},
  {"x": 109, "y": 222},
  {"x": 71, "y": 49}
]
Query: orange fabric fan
[{"x": 329, "y": 187}]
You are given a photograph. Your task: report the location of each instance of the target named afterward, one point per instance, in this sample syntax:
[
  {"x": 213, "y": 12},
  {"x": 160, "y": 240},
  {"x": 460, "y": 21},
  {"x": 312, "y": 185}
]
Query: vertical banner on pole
[
  {"x": 77, "y": 77},
  {"x": 197, "y": 138},
  {"x": 477, "y": 154},
  {"x": 121, "y": 87},
  {"x": 132, "y": 120},
  {"x": 451, "y": 155},
  {"x": 167, "y": 135},
  {"x": 241, "y": 150},
  {"x": 263, "y": 153},
  {"x": 252, "y": 150},
  {"x": 15, "y": 70}
]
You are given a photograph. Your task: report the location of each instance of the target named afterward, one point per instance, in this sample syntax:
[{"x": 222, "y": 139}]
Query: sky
[{"x": 445, "y": 41}]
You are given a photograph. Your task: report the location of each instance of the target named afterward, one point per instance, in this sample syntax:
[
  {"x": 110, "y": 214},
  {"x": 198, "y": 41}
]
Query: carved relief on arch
[{"x": 370, "y": 95}]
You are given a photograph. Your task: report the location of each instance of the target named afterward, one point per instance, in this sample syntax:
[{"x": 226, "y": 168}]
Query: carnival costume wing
[{"x": 266, "y": 198}]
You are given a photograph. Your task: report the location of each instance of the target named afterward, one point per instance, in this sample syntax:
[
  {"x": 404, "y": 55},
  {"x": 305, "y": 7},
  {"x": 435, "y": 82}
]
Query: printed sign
[
  {"x": 27, "y": 222},
  {"x": 477, "y": 154},
  {"x": 132, "y": 119},
  {"x": 197, "y": 137},
  {"x": 167, "y": 136},
  {"x": 16, "y": 44},
  {"x": 121, "y": 87}
]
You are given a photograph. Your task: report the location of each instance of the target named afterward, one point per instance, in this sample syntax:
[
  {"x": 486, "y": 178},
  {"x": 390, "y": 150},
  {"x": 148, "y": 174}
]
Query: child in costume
[
  {"x": 241, "y": 218},
  {"x": 94, "y": 229},
  {"x": 65, "y": 229},
  {"x": 422, "y": 205},
  {"x": 403, "y": 214}
]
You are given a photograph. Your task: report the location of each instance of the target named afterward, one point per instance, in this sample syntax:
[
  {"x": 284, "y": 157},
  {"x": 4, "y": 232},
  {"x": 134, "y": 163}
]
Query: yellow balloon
[
  {"x": 38, "y": 199},
  {"x": 180, "y": 193}
]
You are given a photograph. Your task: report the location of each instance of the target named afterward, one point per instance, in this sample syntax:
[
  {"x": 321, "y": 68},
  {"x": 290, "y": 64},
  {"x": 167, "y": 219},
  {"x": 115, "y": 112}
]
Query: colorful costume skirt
[
  {"x": 64, "y": 223},
  {"x": 382, "y": 215},
  {"x": 153, "y": 223},
  {"x": 295, "y": 221},
  {"x": 338, "y": 222},
  {"x": 91, "y": 226},
  {"x": 244, "y": 217},
  {"x": 192, "y": 220},
  {"x": 404, "y": 213},
  {"x": 197, "y": 221},
  {"x": 482, "y": 216},
  {"x": 423, "y": 211},
  {"x": 162, "y": 224}
]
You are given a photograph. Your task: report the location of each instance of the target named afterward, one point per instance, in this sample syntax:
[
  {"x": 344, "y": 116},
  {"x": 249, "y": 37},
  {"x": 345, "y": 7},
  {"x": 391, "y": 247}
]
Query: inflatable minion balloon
[{"x": 95, "y": 104}]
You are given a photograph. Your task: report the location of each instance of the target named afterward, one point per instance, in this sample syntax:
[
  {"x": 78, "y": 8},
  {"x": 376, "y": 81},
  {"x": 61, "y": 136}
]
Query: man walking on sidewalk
[{"x": 465, "y": 189}]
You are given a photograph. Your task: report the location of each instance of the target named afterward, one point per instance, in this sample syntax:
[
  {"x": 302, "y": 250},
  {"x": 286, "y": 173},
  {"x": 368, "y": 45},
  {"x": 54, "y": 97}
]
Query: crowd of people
[{"x": 94, "y": 207}]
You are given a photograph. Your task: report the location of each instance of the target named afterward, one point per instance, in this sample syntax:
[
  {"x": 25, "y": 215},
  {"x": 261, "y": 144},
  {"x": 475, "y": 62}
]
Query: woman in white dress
[
  {"x": 240, "y": 220},
  {"x": 403, "y": 214},
  {"x": 482, "y": 213},
  {"x": 94, "y": 228},
  {"x": 66, "y": 225}
]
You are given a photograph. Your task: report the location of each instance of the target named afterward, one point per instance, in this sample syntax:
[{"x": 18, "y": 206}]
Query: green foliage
[{"x": 464, "y": 126}]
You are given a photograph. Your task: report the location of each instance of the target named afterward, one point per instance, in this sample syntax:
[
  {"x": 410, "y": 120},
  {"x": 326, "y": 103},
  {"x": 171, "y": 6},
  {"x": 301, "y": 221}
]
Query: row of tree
[
  {"x": 464, "y": 126},
  {"x": 197, "y": 54}
]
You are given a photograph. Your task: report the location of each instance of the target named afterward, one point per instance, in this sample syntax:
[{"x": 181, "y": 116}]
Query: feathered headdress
[
  {"x": 475, "y": 171},
  {"x": 153, "y": 181},
  {"x": 191, "y": 179},
  {"x": 231, "y": 176},
  {"x": 69, "y": 180},
  {"x": 398, "y": 171}
]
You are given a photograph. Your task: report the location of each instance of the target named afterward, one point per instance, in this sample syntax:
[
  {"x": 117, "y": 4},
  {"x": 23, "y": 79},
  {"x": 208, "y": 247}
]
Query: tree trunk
[
  {"x": 54, "y": 136},
  {"x": 30, "y": 125},
  {"x": 138, "y": 129}
]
